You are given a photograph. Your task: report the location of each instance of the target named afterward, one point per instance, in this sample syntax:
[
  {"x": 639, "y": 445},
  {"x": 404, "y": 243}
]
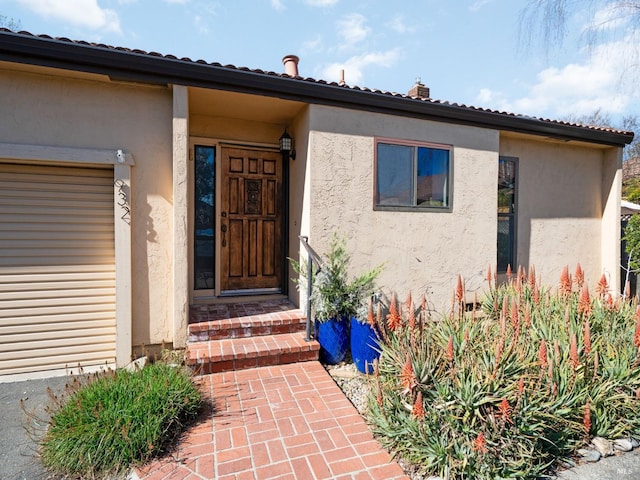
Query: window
[
  {"x": 507, "y": 202},
  {"x": 204, "y": 217},
  {"x": 412, "y": 176}
]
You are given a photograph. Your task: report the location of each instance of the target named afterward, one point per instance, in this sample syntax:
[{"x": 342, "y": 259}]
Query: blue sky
[{"x": 465, "y": 51}]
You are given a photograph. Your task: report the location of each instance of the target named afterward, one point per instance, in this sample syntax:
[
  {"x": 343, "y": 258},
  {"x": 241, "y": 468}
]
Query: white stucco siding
[
  {"x": 560, "y": 207},
  {"x": 422, "y": 250},
  {"x": 42, "y": 108}
]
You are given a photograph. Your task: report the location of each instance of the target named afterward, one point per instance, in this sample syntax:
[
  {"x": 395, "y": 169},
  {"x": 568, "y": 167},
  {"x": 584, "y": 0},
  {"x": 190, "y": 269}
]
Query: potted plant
[
  {"x": 328, "y": 300},
  {"x": 364, "y": 335}
]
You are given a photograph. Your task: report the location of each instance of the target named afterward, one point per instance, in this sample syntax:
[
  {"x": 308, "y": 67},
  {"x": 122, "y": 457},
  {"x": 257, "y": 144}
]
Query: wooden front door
[{"x": 251, "y": 220}]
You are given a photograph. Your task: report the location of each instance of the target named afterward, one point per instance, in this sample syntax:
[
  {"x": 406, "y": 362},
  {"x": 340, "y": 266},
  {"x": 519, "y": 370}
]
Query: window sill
[{"x": 405, "y": 208}]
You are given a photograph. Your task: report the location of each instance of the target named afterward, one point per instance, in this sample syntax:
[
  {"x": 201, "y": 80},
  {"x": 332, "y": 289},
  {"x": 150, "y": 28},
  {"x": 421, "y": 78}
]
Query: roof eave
[{"x": 149, "y": 68}]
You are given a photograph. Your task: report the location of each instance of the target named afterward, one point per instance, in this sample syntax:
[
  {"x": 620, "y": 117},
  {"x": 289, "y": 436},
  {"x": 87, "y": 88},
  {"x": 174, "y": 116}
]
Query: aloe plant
[{"x": 505, "y": 392}]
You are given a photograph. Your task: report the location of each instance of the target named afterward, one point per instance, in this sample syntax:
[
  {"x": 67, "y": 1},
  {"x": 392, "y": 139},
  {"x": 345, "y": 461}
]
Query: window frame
[
  {"x": 412, "y": 208},
  {"x": 512, "y": 216}
]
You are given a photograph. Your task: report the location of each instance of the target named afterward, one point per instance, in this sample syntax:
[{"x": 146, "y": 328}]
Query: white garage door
[{"x": 57, "y": 268}]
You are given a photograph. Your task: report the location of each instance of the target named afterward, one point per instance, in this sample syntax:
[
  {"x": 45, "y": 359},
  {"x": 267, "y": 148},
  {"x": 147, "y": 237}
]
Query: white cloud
[
  {"x": 576, "y": 89},
  {"x": 478, "y": 4},
  {"x": 79, "y": 13},
  {"x": 277, "y": 5},
  {"x": 313, "y": 45},
  {"x": 398, "y": 24},
  {"x": 321, "y": 3},
  {"x": 609, "y": 17},
  {"x": 352, "y": 29},
  {"x": 354, "y": 66}
]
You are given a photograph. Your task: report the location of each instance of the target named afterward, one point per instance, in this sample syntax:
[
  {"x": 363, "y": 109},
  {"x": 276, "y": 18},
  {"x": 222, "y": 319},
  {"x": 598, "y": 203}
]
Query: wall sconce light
[{"x": 286, "y": 145}]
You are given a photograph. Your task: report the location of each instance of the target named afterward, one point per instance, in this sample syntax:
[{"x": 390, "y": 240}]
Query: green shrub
[
  {"x": 506, "y": 393},
  {"x": 110, "y": 421}
]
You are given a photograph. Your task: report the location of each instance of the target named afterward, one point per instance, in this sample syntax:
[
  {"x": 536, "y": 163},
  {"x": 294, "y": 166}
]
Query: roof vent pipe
[{"x": 291, "y": 65}]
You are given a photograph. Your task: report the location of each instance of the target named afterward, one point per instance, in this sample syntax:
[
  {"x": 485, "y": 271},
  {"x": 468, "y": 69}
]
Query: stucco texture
[
  {"x": 560, "y": 205},
  {"x": 42, "y": 108},
  {"x": 422, "y": 251}
]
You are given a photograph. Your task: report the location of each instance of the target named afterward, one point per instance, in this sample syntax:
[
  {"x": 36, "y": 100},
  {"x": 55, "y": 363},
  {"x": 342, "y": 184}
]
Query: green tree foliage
[{"x": 632, "y": 239}]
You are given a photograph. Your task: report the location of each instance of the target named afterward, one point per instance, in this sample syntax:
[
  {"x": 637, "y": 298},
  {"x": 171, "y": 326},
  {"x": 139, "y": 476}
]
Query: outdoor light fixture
[{"x": 286, "y": 145}]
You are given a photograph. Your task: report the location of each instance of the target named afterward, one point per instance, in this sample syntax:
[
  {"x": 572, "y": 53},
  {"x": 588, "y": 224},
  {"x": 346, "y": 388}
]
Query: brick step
[
  {"x": 240, "y": 353},
  {"x": 216, "y": 322}
]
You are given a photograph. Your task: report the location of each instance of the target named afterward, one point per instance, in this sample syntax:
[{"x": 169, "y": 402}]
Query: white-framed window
[{"x": 412, "y": 175}]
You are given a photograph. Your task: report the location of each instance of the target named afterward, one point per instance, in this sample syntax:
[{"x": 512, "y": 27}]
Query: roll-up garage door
[{"x": 57, "y": 268}]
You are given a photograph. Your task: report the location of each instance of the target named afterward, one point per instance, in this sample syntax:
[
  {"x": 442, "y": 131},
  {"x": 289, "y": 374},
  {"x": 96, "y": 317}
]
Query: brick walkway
[{"x": 276, "y": 422}]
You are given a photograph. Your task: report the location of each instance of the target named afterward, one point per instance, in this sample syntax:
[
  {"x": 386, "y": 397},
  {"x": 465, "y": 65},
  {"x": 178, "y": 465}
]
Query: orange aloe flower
[
  {"x": 532, "y": 276},
  {"x": 418, "y": 407},
  {"x": 584, "y": 305},
  {"x": 371, "y": 319},
  {"x": 504, "y": 411},
  {"x": 542, "y": 354},
  {"x": 505, "y": 307},
  {"x": 515, "y": 315},
  {"x": 409, "y": 301},
  {"x": 459, "y": 289},
  {"x": 586, "y": 418},
  {"x": 636, "y": 337},
  {"x": 393, "y": 318},
  {"x": 573, "y": 352},
  {"x": 407, "y": 375},
  {"x": 412, "y": 317},
  {"x": 565, "y": 281},
  {"x": 509, "y": 272},
  {"x": 489, "y": 277},
  {"x": 536, "y": 294},
  {"x": 579, "y": 276},
  {"x": 603, "y": 286},
  {"x": 449, "y": 352},
  {"x": 608, "y": 302},
  {"x": 480, "y": 444}
]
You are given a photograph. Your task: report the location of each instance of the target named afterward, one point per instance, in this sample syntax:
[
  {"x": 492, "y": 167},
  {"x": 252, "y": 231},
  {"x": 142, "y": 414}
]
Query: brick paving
[{"x": 276, "y": 422}]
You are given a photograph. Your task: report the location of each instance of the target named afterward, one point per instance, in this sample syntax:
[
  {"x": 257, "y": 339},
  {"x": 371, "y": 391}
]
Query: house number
[{"x": 123, "y": 200}]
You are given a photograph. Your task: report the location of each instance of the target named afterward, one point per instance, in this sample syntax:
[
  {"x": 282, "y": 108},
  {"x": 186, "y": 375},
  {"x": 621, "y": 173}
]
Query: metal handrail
[{"x": 312, "y": 257}]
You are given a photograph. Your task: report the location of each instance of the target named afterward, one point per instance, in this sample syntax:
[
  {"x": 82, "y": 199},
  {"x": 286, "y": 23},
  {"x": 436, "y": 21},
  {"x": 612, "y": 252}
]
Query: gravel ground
[{"x": 353, "y": 383}]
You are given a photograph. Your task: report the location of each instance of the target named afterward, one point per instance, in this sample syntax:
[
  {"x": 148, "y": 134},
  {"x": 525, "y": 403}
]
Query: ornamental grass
[
  {"x": 106, "y": 422},
  {"x": 506, "y": 392}
]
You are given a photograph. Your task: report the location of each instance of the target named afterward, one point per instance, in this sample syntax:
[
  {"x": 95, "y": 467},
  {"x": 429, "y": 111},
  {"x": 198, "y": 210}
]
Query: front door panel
[{"x": 251, "y": 220}]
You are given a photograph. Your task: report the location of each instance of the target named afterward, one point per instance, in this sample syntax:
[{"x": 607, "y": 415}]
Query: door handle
[{"x": 224, "y": 235}]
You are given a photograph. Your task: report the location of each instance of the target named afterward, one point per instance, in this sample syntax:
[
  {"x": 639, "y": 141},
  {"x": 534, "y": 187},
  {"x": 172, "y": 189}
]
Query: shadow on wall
[{"x": 143, "y": 233}]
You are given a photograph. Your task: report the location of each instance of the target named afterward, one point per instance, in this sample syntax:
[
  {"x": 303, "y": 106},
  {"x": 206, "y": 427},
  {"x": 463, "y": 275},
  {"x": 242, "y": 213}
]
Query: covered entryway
[
  {"x": 57, "y": 268},
  {"x": 251, "y": 221}
]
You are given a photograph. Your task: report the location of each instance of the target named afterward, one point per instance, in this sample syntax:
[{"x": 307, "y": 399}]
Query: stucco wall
[
  {"x": 560, "y": 207},
  {"x": 422, "y": 250},
  {"x": 42, "y": 109}
]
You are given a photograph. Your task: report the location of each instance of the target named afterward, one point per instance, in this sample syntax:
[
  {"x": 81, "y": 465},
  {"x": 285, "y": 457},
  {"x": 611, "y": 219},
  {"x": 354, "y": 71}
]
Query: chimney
[
  {"x": 419, "y": 90},
  {"x": 291, "y": 65}
]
